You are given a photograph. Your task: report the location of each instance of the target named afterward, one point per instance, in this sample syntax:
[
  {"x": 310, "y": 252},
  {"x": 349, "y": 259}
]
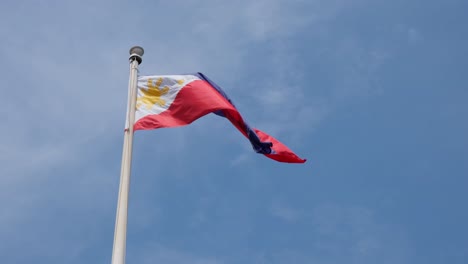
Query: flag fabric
[{"x": 177, "y": 100}]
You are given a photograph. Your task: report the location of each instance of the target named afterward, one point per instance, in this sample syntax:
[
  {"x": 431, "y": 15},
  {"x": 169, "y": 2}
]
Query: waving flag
[{"x": 178, "y": 100}]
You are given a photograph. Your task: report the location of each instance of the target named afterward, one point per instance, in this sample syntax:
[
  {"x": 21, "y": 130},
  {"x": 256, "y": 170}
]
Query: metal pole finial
[{"x": 136, "y": 53}]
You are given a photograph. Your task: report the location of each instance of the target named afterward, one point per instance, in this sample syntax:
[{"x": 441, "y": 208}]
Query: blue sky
[{"x": 372, "y": 93}]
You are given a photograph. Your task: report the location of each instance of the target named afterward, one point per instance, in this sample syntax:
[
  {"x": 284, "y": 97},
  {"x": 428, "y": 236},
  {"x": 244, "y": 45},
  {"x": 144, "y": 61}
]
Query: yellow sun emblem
[{"x": 152, "y": 95}]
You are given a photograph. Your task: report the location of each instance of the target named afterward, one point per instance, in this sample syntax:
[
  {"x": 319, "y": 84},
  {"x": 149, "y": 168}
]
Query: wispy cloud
[
  {"x": 285, "y": 212},
  {"x": 354, "y": 232},
  {"x": 161, "y": 254}
]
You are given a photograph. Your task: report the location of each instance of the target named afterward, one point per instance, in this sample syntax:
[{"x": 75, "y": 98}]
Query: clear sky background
[{"x": 373, "y": 93}]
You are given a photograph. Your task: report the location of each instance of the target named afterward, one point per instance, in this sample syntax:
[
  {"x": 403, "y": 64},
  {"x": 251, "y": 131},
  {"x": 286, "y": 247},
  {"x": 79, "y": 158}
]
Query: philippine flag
[{"x": 178, "y": 100}]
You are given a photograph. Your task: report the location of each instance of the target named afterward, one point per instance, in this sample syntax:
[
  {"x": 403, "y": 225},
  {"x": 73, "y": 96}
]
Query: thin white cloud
[
  {"x": 355, "y": 232},
  {"x": 285, "y": 212},
  {"x": 160, "y": 254},
  {"x": 414, "y": 36}
]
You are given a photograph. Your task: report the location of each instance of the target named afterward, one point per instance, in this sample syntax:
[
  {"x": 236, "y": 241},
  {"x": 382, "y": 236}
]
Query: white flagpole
[{"x": 120, "y": 233}]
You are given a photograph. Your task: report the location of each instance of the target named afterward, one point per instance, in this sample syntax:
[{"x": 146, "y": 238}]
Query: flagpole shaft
[{"x": 120, "y": 233}]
